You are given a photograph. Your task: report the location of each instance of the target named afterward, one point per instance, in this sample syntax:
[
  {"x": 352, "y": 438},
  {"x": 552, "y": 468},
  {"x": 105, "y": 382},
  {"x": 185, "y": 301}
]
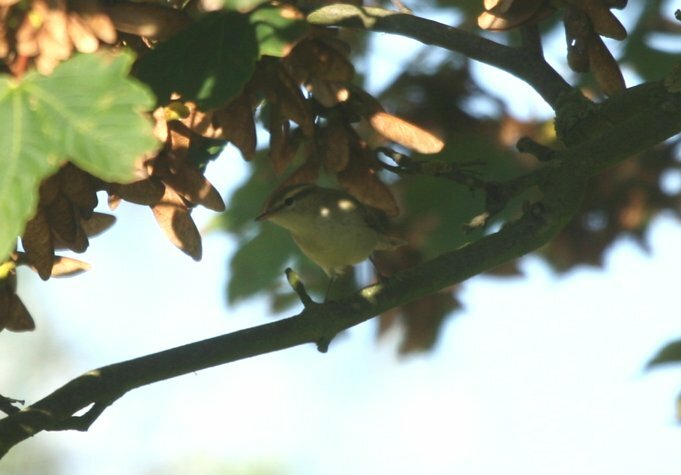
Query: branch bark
[{"x": 527, "y": 63}]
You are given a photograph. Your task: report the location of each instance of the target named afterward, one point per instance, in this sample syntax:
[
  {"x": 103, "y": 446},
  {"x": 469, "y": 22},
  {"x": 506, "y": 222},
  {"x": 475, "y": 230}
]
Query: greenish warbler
[{"x": 330, "y": 226}]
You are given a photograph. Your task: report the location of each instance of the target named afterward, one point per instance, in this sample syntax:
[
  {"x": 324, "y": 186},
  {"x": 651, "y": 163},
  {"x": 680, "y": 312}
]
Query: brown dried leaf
[
  {"x": 514, "y": 17},
  {"x": 334, "y": 147},
  {"x": 18, "y": 319},
  {"x": 319, "y": 60},
  {"x": 144, "y": 192},
  {"x": 67, "y": 266},
  {"x": 180, "y": 137},
  {"x": 26, "y": 39},
  {"x": 79, "y": 187},
  {"x": 61, "y": 217},
  {"x": 199, "y": 121},
  {"x": 190, "y": 183},
  {"x": 175, "y": 220},
  {"x": 602, "y": 19},
  {"x": 423, "y": 319},
  {"x": 101, "y": 25},
  {"x": 361, "y": 181},
  {"x": 97, "y": 224},
  {"x": 98, "y": 22},
  {"x": 405, "y": 133},
  {"x": 49, "y": 189},
  {"x": 308, "y": 172},
  {"x": 604, "y": 67},
  {"x": 236, "y": 124},
  {"x": 113, "y": 201},
  {"x": 286, "y": 93},
  {"x": 79, "y": 244},
  {"x": 37, "y": 243},
  {"x": 83, "y": 39},
  {"x": 5, "y": 301},
  {"x": 328, "y": 93},
  {"x": 578, "y": 35},
  {"x": 280, "y": 148},
  {"x": 53, "y": 37}
]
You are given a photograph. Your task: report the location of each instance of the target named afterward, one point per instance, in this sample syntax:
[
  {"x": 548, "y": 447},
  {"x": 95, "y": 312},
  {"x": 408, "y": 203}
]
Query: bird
[{"x": 330, "y": 226}]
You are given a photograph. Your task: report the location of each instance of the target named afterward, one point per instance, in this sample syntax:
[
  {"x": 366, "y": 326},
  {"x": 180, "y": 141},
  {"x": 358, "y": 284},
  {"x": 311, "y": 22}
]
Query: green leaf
[
  {"x": 92, "y": 113},
  {"x": 87, "y": 112},
  {"x": 278, "y": 29},
  {"x": 259, "y": 262},
  {"x": 242, "y": 5},
  {"x": 671, "y": 353},
  {"x": 207, "y": 63}
]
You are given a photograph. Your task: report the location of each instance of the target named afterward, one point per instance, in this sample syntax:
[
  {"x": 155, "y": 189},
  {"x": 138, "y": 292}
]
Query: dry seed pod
[
  {"x": 312, "y": 58},
  {"x": 360, "y": 180},
  {"x": 328, "y": 93},
  {"x": 26, "y": 39},
  {"x": 334, "y": 147},
  {"x": 236, "y": 124},
  {"x": 362, "y": 183},
  {"x": 513, "y": 8},
  {"x": 619, "y": 4},
  {"x": 285, "y": 92},
  {"x": 279, "y": 137},
  {"x": 18, "y": 318},
  {"x": 97, "y": 224},
  {"x": 405, "y": 133},
  {"x": 98, "y": 22},
  {"x": 79, "y": 188},
  {"x": 83, "y": 39},
  {"x": 38, "y": 245},
  {"x": 506, "y": 14},
  {"x": 602, "y": 19},
  {"x": 190, "y": 183},
  {"x": 175, "y": 220},
  {"x": 79, "y": 244},
  {"x": 49, "y": 189},
  {"x": 68, "y": 267},
  {"x": 53, "y": 41},
  {"x": 604, "y": 67},
  {"x": 198, "y": 121},
  {"x": 144, "y": 192},
  {"x": 578, "y": 35},
  {"x": 308, "y": 172},
  {"x": 61, "y": 217},
  {"x": 329, "y": 64}
]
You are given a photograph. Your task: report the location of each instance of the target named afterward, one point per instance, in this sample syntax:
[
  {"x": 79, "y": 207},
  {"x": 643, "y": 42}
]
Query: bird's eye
[{"x": 288, "y": 201}]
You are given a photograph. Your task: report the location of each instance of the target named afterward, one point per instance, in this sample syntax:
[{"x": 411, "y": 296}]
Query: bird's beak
[{"x": 264, "y": 215}]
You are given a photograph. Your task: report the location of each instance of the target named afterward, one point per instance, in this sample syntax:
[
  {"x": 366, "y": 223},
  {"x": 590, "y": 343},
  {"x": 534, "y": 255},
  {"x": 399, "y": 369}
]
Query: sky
[{"x": 540, "y": 374}]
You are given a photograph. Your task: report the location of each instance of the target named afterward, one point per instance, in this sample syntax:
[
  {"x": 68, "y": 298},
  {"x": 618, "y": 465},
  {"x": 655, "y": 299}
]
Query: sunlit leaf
[
  {"x": 405, "y": 133},
  {"x": 242, "y": 5},
  {"x": 87, "y": 111},
  {"x": 278, "y": 29}
]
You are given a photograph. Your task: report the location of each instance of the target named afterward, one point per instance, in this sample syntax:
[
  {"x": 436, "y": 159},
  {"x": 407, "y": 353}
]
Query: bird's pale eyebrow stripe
[{"x": 296, "y": 192}]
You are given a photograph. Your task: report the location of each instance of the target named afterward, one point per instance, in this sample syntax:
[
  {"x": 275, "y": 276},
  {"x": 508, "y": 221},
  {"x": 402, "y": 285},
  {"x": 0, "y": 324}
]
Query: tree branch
[{"x": 524, "y": 63}]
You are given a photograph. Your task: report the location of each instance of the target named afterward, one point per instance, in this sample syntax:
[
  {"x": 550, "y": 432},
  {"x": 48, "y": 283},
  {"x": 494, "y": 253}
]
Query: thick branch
[{"x": 524, "y": 63}]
